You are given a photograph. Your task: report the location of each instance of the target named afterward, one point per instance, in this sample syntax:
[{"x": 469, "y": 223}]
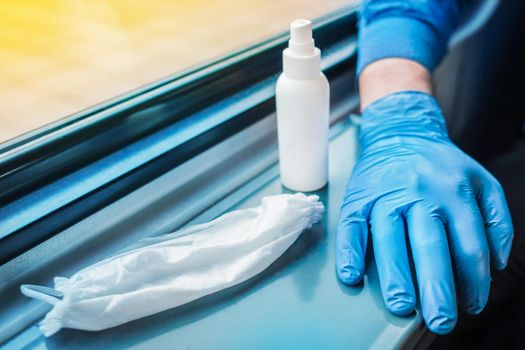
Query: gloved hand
[{"x": 412, "y": 187}]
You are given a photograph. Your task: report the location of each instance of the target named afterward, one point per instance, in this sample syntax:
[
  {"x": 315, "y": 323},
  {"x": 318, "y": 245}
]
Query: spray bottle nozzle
[{"x": 301, "y": 41}]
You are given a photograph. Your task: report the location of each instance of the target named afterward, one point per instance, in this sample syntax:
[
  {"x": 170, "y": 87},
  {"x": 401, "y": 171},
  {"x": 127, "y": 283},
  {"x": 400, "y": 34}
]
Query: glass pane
[{"x": 58, "y": 57}]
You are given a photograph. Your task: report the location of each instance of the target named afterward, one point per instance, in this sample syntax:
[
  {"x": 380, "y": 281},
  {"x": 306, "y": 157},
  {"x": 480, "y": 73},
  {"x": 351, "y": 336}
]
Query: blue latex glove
[{"x": 412, "y": 183}]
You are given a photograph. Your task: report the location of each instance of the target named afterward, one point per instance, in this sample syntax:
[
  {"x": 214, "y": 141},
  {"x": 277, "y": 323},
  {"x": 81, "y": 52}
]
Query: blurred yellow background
[{"x": 58, "y": 57}]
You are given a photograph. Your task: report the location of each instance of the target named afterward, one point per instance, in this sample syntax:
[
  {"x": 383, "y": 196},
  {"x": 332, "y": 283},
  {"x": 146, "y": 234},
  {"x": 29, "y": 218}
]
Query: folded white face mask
[{"x": 163, "y": 272}]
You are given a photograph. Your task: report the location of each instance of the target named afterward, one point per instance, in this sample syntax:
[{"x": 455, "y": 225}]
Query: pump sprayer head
[
  {"x": 301, "y": 41},
  {"x": 301, "y": 60}
]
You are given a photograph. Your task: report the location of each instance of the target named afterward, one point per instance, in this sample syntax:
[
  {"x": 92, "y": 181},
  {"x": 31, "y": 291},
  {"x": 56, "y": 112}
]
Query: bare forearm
[{"x": 390, "y": 75}]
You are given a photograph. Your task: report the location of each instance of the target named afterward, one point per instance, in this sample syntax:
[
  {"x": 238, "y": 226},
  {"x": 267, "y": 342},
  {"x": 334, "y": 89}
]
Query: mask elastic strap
[{"x": 45, "y": 294}]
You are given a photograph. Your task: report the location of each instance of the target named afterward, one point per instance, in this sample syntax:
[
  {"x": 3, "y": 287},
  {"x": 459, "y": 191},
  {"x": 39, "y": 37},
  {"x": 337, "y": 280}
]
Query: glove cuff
[{"x": 403, "y": 114}]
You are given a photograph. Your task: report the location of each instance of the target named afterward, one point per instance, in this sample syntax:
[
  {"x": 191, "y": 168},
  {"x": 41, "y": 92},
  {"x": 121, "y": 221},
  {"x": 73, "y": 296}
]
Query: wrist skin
[{"x": 390, "y": 75}]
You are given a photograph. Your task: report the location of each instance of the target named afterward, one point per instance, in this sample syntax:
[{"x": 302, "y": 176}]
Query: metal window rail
[{"x": 55, "y": 176}]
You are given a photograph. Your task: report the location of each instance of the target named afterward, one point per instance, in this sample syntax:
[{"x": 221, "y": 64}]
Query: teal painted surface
[{"x": 297, "y": 303}]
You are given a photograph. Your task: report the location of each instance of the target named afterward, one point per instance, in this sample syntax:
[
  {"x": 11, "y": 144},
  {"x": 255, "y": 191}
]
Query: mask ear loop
[{"x": 45, "y": 294}]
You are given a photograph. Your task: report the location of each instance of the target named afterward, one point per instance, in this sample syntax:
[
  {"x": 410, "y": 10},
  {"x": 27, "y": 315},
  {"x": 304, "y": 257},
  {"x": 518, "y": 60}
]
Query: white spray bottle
[{"x": 303, "y": 103}]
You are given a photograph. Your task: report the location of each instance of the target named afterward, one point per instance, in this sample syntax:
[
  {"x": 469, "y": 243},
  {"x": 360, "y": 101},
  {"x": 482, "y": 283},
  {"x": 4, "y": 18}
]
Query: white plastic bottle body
[{"x": 302, "y": 127}]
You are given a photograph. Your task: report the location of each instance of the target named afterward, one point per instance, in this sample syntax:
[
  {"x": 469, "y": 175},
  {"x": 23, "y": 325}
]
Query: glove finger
[
  {"x": 470, "y": 254},
  {"x": 390, "y": 250},
  {"x": 497, "y": 220},
  {"x": 351, "y": 240},
  {"x": 430, "y": 252}
]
